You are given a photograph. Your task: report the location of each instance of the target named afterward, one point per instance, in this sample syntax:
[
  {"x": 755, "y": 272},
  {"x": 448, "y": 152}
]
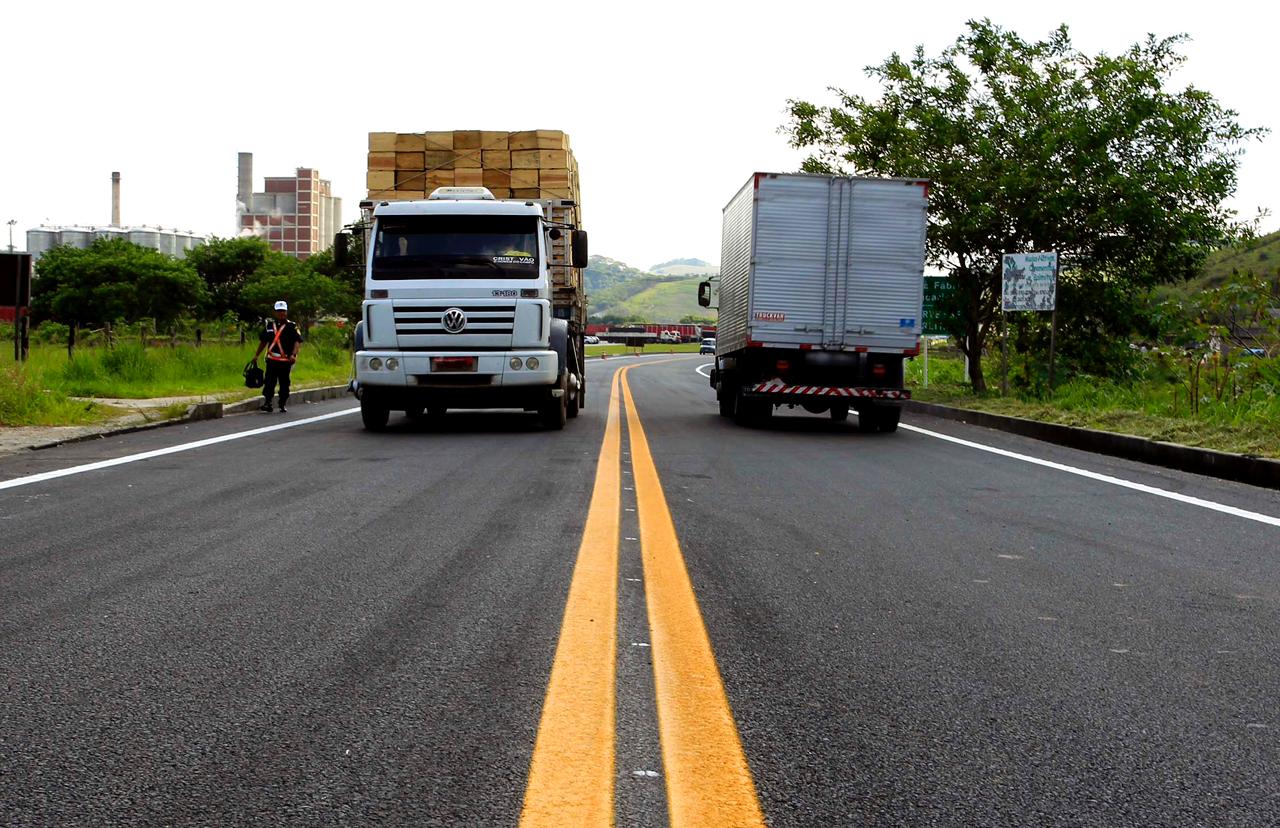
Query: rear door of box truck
[{"x": 835, "y": 263}]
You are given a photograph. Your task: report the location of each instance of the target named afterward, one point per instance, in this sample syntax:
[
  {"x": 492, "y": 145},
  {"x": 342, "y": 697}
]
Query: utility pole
[{"x": 11, "y": 223}]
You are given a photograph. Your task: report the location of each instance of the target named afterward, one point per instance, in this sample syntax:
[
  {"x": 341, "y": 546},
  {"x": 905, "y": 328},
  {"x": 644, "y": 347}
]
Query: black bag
[{"x": 253, "y": 376}]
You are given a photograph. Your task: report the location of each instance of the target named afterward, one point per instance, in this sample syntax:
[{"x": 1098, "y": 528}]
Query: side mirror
[
  {"x": 704, "y": 294},
  {"x": 580, "y": 248},
  {"x": 555, "y": 233}
]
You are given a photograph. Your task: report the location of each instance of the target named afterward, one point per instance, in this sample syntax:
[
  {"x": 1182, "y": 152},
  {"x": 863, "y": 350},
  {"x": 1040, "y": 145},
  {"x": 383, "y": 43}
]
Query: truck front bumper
[
  {"x": 413, "y": 369},
  {"x": 409, "y": 381}
]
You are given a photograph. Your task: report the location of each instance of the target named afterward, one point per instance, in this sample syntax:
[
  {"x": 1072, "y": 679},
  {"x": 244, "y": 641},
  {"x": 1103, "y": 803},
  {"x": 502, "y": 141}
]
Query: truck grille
[{"x": 428, "y": 320}]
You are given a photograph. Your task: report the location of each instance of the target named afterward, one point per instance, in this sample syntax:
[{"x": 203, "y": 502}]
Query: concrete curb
[
  {"x": 1243, "y": 468},
  {"x": 197, "y": 411}
]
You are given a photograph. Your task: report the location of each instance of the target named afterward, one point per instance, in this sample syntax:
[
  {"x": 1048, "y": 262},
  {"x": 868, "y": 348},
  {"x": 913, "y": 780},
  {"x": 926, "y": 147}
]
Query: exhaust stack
[{"x": 115, "y": 199}]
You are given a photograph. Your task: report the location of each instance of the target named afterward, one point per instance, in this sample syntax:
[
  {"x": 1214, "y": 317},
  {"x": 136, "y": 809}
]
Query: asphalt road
[{"x": 320, "y": 626}]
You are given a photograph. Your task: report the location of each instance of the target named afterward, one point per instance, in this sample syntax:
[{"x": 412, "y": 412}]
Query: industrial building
[
  {"x": 297, "y": 215},
  {"x": 167, "y": 240}
]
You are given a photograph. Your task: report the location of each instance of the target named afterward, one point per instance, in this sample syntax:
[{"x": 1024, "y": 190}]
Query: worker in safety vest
[{"x": 280, "y": 339}]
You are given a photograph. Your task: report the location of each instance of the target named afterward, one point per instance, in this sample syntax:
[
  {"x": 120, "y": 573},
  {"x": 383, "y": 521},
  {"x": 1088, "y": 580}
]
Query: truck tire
[
  {"x": 373, "y": 414},
  {"x": 751, "y": 412},
  {"x": 839, "y": 412},
  {"x": 555, "y": 411},
  {"x": 574, "y": 404},
  {"x": 414, "y": 412},
  {"x": 726, "y": 395},
  {"x": 888, "y": 422},
  {"x": 868, "y": 419}
]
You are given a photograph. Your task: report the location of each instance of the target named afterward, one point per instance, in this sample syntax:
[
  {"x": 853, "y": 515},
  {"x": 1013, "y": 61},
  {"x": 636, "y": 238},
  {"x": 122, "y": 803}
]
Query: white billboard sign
[{"x": 1030, "y": 281}]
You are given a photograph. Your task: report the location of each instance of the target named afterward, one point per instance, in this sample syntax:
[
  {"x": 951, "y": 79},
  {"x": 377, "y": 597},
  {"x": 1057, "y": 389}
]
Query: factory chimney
[
  {"x": 115, "y": 199},
  {"x": 244, "y": 189}
]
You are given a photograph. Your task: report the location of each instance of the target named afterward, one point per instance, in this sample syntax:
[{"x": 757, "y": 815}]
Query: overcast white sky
[{"x": 669, "y": 106}]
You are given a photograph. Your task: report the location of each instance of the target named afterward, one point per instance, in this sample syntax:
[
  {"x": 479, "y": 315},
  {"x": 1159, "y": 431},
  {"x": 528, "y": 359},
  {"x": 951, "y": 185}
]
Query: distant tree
[
  {"x": 226, "y": 265},
  {"x": 309, "y": 294},
  {"x": 1038, "y": 146},
  {"x": 113, "y": 280},
  {"x": 350, "y": 279}
]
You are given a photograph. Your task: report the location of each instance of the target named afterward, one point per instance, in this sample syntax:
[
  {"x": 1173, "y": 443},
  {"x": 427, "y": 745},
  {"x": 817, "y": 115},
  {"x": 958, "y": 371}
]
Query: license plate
[{"x": 452, "y": 365}]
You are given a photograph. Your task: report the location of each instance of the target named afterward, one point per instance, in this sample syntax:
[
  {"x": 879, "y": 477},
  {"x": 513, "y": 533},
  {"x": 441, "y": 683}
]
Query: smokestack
[
  {"x": 115, "y": 199},
  {"x": 244, "y": 189}
]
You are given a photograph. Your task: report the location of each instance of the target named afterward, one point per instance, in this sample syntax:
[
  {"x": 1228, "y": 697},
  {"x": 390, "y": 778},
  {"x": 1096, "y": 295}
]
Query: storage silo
[
  {"x": 41, "y": 241},
  {"x": 110, "y": 233},
  {"x": 145, "y": 237},
  {"x": 80, "y": 237},
  {"x": 168, "y": 242}
]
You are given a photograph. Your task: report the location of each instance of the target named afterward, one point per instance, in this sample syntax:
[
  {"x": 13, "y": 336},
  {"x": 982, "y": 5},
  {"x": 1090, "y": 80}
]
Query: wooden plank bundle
[{"x": 534, "y": 164}]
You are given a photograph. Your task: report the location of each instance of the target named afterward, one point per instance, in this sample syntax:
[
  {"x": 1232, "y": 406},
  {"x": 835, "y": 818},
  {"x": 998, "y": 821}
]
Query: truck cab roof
[{"x": 459, "y": 207}]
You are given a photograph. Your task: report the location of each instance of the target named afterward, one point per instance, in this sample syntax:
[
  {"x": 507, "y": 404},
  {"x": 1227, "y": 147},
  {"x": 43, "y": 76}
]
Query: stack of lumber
[{"x": 535, "y": 164}]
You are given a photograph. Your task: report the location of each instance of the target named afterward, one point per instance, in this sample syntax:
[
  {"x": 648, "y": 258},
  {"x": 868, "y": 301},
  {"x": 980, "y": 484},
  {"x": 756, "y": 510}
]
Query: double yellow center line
[{"x": 571, "y": 776}]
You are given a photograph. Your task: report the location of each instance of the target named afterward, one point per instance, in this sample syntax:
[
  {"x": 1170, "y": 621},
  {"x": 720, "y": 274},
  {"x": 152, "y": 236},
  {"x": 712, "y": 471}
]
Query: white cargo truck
[
  {"x": 820, "y": 294},
  {"x": 463, "y": 307}
]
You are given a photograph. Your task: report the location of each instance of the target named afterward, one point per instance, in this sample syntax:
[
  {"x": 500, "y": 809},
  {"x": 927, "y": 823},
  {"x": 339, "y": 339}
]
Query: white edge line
[
  {"x": 147, "y": 455},
  {"x": 1105, "y": 478}
]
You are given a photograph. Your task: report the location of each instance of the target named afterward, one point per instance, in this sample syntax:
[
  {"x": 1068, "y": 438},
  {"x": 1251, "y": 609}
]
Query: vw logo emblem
[{"x": 454, "y": 320}]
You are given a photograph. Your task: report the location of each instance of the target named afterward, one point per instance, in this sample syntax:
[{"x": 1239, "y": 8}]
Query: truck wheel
[
  {"x": 888, "y": 421},
  {"x": 840, "y": 412},
  {"x": 373, "y": 413},
  {"x": 555, "y": 411},
  {"x": 868, "y": 420},
  {"x": 727, "y": 395},
  {"x": 751, "y": 412},
  {"x": 574, "y": 404}
]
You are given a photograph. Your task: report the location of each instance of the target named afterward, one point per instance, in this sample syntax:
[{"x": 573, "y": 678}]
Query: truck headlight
[
  {"x": 392, "y": 364},
  {"x": 375, "y": 363},
  {"x": 516, "y": 364},
  {"x": 531, "y": 363}
]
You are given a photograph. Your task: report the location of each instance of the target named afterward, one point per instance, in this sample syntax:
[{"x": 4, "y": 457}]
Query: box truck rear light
[
  {"x": 878, "y": 370},
  {"x": 783, "y": 365}
]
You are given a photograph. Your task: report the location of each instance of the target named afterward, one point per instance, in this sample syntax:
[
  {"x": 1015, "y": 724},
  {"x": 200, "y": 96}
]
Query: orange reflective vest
[{"x": 275, "y": 348}]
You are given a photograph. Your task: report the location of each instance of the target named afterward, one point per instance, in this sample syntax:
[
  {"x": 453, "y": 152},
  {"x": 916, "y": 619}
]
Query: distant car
[
  {"x": 591, "y": 340},
  {"x": 1253, "y": 352},
  {"x": 708, "y": 346},
  {"x": 669, "y": 336}
]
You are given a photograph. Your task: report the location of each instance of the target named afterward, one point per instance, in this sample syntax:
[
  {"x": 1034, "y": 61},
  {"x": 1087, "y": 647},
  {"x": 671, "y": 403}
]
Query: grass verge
[
  {"x": 39, "y": 391},
  {"x": 1152, "y": 406}
]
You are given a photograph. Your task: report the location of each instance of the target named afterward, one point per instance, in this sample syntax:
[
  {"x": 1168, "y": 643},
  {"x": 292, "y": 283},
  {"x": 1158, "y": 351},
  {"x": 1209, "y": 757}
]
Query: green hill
[
  {"x": 603, "y": 273},
  {"x": 615, "y": 290},
  {"x": 659, "y": 300},
  {"x": 1261, "y": 255}
]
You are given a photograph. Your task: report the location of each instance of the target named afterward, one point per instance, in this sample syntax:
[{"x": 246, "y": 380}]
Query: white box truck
[
  {"x": 820, "y": 295},
  {"x": 471, "y": 302}
]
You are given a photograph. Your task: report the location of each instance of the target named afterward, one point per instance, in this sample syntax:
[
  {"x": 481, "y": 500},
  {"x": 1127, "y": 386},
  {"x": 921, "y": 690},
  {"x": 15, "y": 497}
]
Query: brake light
[
  {"x": 377, "y": 294},
  {"x": 783, "y": 365},
  {"x": 878, "y": 370}
]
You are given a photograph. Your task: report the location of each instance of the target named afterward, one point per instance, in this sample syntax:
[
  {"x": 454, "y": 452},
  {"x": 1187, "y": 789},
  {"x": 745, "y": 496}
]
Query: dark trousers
[{"x": 277, "y": 371}]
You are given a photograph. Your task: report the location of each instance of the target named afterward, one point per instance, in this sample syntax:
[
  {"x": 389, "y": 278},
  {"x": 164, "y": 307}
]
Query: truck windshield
[{"x": 456, "y": 247}]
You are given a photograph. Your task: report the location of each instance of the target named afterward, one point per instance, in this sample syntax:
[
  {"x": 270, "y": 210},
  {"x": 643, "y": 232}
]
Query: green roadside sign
[{"x": 936, "y": 291}]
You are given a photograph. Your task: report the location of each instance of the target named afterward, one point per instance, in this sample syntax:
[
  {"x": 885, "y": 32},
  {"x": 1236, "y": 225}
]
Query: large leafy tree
[
  {"x": 226, "y": 265},
  {"x": 113, "y": 280},
  {"x": 1038, "y": 146},
  {"x": 309, "y": 294}
]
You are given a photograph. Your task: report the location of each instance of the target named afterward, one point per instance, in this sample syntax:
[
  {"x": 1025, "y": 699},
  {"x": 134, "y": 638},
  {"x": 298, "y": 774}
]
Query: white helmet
[{"x": 282, "y": 305}]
